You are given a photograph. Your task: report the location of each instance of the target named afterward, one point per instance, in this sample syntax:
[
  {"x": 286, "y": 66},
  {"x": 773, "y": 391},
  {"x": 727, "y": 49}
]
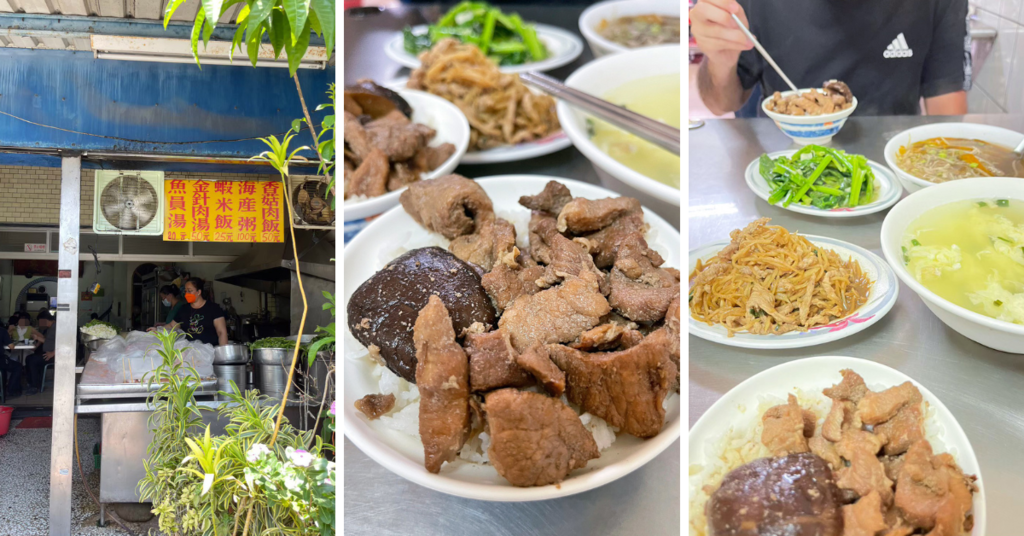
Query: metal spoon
[{"x": 763, "y": 52}]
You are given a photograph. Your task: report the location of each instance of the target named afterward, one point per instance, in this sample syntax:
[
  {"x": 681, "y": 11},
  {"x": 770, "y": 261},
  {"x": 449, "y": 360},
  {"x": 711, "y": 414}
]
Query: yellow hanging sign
[{"x": 223, "y": 211}]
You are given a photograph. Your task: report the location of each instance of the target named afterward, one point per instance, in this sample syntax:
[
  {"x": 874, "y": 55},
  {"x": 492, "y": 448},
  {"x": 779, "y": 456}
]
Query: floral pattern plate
[{"x": 880, "y": 300}]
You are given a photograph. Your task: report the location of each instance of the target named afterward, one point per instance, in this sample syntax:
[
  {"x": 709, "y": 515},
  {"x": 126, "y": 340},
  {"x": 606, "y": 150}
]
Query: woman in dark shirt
[{"x": 201, "y": 319}]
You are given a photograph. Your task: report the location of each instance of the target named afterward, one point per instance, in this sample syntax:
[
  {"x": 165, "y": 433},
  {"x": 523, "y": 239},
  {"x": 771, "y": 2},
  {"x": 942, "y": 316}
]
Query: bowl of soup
[
  {"x": 621, "y": 25},
  {"x": 943, "y": 152},
  {"x": 646, "y": 81},
  {"x": 960, "y": 246}
]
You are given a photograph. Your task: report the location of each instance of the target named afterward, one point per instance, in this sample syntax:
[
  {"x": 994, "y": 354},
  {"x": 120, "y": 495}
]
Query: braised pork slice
[
  {"x": 429, "y": 158},
  {"x": 825, "y": 449},
  {"x": 355, "y": 139},
  {"x": 442, "y": 376},
  {"x": 864, "y": 518},
  {"x": 542, "y": 229},
  {"x": 851, "y": 388},
  {"x": 625, "y": 388},
  {"x": 794, "y": 495},
  {"x": 504, "y": 284},
  {"x": 581, "y": 215},
  {"x": 535, "y": 440},
  {"x": 672, "y": 323},
  {"x": 608, "y": 337},
  {"x": 550, "y": 200},
  {"x": 903, "y": 430},
  {"x": 568, "y": 258},
  {"x": 490, "y": 364},
  {"x": 784, "y": 429},
  {"x": 398, "y": 137},
  {"x": 640, "y": 290},
  {"x": 932, "y": 493},
  {"x": 451, "y": 205},
  {"x": 374, "y": 405},
  {"x": 629, "y": 228},
  {"x": 555, "y": 315},
  {"x": 842, "y": 416},
  {"x": 493, "y": 242},
  {"x": 401, "y": 176},
  {"x": 879, "y": 407},
  {"x": 370, "y": 179},
  {"x": 537, "y": 361},
  {"x": 865, "y": 472}
]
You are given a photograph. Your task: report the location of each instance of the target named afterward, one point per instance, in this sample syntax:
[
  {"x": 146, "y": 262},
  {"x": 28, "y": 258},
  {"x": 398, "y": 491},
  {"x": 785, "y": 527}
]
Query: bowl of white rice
[
  {"x": 728, "y": 435},
  {"x": 393, "y": 439}
]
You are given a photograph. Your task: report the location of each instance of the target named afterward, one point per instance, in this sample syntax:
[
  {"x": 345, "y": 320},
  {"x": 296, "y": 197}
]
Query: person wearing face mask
[
  {"x": 201, "y": 319},
  {"x": 170, "y": 296}
]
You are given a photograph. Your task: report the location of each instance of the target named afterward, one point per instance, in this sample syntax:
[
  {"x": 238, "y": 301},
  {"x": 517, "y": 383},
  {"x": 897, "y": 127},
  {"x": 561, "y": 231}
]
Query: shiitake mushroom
[
  {"x": 383, "y": 310},
  {"x": 367, "y": 98}
]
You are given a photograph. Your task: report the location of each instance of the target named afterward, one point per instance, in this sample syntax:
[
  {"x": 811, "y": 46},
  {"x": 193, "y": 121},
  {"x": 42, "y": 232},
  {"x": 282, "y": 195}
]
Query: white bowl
[
  {"x": 881, "y": 298},
  {"x": 403, "y": 454},
  {"x": 604, "y": 75},
  {"x": 451, "y": 126},
  {"x": 563, "y": 47},
  {"x": 985, "y": 330},
  {"x": 974, "y": 131},
  {"x": 809, "y": 129},
  {"x": 738, "y": 408},
  {"x": 614, "y": 9}
]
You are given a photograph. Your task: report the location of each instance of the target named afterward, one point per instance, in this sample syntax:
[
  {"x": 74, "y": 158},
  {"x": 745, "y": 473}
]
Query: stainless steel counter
[
  {"x": 983, "y": 388},
  {"x": 380, "y": 503}
]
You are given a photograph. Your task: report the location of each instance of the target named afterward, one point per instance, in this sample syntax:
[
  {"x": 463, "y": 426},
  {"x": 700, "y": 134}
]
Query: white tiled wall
[{"x": 999, "y": 84}]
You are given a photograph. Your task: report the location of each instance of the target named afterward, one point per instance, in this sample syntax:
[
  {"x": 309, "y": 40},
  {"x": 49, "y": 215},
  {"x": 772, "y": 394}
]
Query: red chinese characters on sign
[{"x": 224, "y": 211}]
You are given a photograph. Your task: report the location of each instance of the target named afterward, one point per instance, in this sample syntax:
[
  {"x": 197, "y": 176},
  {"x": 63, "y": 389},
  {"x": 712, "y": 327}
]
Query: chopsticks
[
  {"x": 665, "y": 136},
  {"x": 763, "y": 52}
]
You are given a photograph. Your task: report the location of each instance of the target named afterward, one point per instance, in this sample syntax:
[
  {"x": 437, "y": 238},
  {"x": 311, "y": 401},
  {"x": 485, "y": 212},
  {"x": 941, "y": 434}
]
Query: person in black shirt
[
  {"x": 46, "y": 334},
  {"x": 201, "y": 319},
  {"x": 890, "y": 54},
  {"x": 9, "y": 368}
]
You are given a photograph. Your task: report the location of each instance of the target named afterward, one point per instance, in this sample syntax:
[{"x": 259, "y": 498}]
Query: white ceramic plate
[
  {"x": 815, "y": 374},
  {"x": 451, "y": 126},
  {"x": 563, "y": 47},
  {"x": 889, "y": 191},
  {"x": 403, "y": 454},
  {"x": 881, "y": 298},
  {"x": 554, "y": 142}
]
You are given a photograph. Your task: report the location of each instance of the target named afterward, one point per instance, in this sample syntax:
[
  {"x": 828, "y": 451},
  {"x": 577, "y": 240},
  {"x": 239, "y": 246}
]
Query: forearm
[
  {"x": 720, "y": 87},
  {"x": 949, "y": 104}
]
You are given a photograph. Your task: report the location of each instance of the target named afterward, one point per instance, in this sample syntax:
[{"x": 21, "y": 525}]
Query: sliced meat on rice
[
  {"x": 451, "y": 205},
  {"x": 558, "y": 314},
  {"x": 624, "y": 388},
  {"x": 374, "y": 405},
  {"x": 581, "y": 215},
  {"x": 493, "y": 242},
  {"x": 537, "y": 361},
  {"x": 535, "y": 440},
  {"x": 550, "y": 200},
  {"x": 490, "y": 364},
  {"x": 442, "y": 376}
]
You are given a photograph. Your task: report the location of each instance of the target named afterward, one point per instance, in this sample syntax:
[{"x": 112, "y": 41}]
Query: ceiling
[{"x": 118, "y": 9}]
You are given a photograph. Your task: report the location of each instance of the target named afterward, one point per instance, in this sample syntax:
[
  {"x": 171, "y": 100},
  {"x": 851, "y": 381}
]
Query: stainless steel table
[
  {"x": 983, "y": 388},
  {"x": 380, "y": 503}
]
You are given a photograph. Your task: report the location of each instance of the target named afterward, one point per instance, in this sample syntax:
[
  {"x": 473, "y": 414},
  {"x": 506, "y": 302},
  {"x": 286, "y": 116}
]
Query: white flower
[
  {"x": 299, "y": 457},
  {"x": 292, "y": 482},
  {"x": 256, "y": 452}
]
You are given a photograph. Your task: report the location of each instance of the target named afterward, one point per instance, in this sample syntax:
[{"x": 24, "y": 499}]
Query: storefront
[{"x": 123, "y": 177}]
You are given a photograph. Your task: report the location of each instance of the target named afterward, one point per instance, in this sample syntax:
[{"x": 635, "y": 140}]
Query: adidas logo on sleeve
[{"x": 898, "y": 48}]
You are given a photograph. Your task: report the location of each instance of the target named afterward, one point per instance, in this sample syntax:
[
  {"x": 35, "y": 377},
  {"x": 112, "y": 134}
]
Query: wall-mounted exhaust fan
[
  {"x": 129, "y": 202},
  {"x": 309, "y": 198}
]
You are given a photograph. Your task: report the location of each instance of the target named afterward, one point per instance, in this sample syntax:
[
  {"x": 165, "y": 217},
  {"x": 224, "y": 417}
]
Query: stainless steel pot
[
  {"x": 273, "y": 356},
  {"x": 231, "y": 354},
  {"x": 231, "y": 373}
]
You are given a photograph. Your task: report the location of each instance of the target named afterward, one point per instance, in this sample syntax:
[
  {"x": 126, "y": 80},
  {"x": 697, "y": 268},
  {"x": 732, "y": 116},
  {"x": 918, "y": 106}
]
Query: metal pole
[{"x": 62, "y": 441}]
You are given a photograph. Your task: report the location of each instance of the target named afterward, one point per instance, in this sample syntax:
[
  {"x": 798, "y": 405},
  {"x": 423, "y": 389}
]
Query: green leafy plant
[
  {"x": 326, "y": 337},
  {"x": 241, "y": 482},
  {"x": 273, "y": 342},
  {"x": 324, "y": 142},
  {"x": 288, "y": 24}
]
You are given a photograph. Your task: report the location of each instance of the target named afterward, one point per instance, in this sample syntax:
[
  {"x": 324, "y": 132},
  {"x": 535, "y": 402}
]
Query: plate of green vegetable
[
  {"x": 515, "y": 45},
  {"x": 822, "y": 181}
]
